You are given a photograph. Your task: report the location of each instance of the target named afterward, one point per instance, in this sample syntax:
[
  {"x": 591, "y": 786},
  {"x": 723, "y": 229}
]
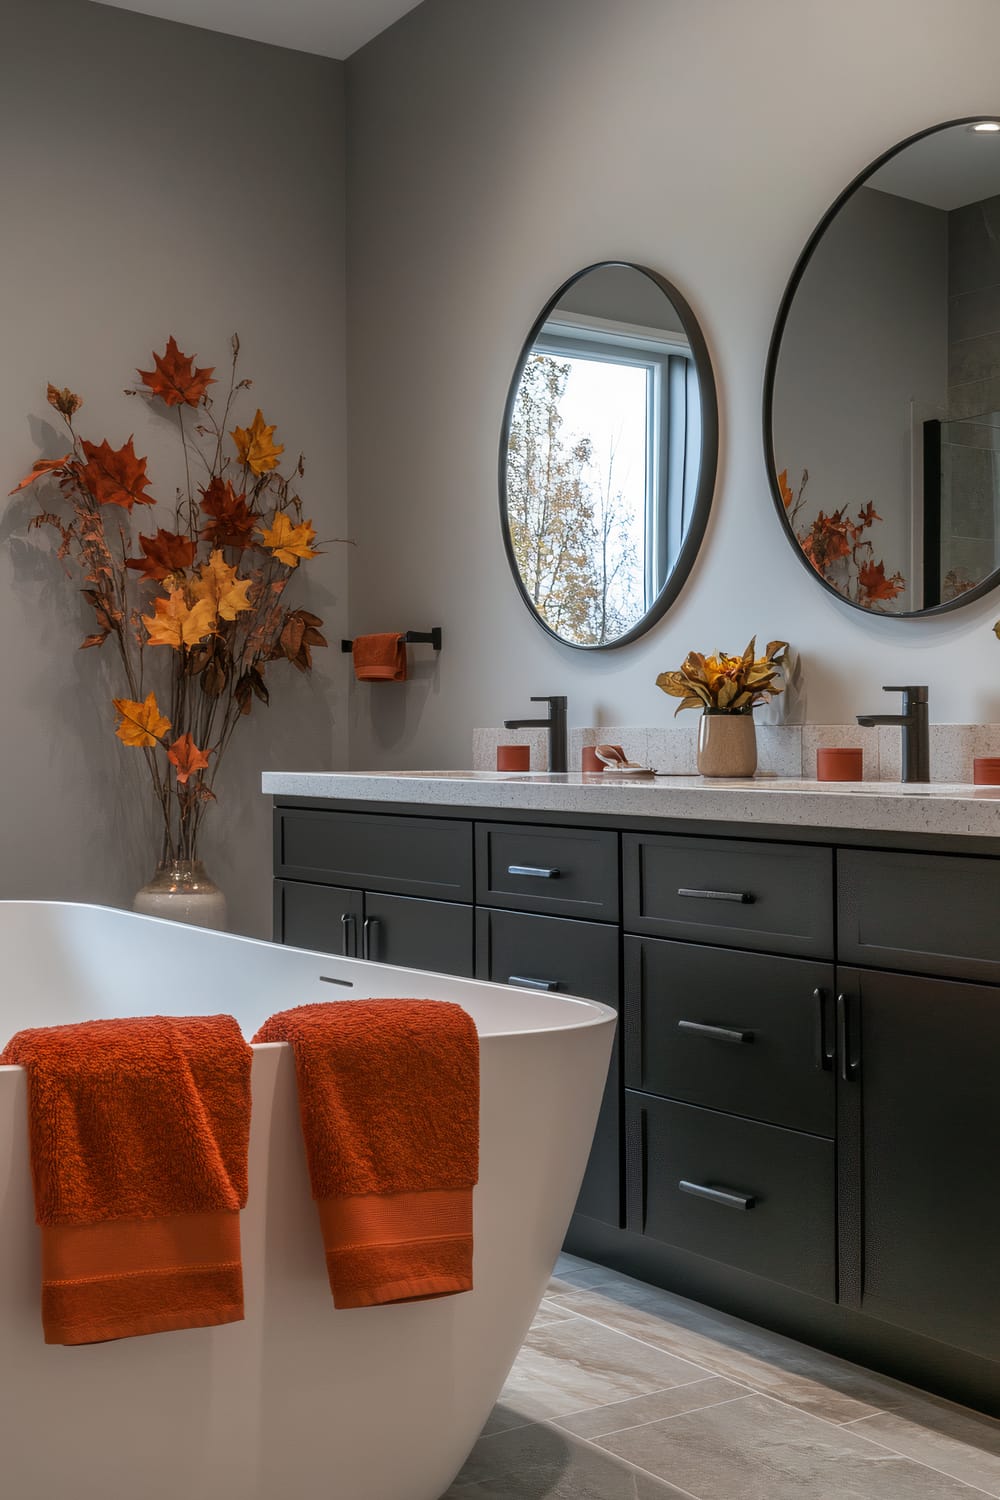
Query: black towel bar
[{"x": 412, "y": 638}]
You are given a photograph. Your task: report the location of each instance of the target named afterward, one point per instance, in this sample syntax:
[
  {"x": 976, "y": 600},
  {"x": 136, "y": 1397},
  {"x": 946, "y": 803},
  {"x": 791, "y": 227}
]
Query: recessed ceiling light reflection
[{"x": 986, "y": 127}]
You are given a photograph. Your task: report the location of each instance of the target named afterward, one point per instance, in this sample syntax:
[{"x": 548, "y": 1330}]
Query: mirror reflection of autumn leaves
[
  {"x": 208, "y": 586},
  {"x": 839, "y": 550}
]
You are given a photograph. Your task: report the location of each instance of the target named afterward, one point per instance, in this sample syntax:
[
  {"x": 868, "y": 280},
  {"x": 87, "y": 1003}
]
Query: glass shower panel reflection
[{"x": 961, "y": 505}]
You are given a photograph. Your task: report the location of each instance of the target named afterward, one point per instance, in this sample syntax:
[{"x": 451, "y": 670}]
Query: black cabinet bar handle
[
  {"x": 721, "y": 1196},
  {"x": 743, "y": 897},
  {"x": 850, "y": 1062},
  {"x": 533, "y": 984},
  {"x": 825, "y": 1051},
  {"x": 370, "y": 936},
  {"x": 349, "y": 945},
  {"x": 535, "y": 872},
  {"x": 720, "y": 1033}
]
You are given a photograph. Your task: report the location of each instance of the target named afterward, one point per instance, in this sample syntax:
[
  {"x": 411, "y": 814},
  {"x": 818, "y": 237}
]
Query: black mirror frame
[
  {"x": 706, "y": 473},
  {"x": 770, "y": 369}
]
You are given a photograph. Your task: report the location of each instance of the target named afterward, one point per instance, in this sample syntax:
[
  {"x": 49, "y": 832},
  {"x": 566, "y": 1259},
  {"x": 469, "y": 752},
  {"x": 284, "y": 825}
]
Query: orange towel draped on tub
[
  {"x": 389, "y": 1102},
  {"x": 380, "y": 658},
  {"x": 139, "y": 1133}
]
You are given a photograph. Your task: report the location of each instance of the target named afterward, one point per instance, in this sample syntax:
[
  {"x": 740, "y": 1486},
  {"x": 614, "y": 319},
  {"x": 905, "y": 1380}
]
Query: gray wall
[
  {"x": 867, "y": 334},
  {"x": 157, "y": 179},
  {"x": 496, "y": 146}
]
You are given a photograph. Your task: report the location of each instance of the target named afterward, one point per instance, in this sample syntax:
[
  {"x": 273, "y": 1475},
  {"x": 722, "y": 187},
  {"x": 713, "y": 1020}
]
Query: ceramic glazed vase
[
  {"x": 182, "y": 892},
  {"x": 727, "y": 745}
]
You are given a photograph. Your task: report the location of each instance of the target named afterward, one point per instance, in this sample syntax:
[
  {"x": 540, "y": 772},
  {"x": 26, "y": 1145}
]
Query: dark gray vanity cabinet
[
  {"x": 801, "y": 1123},
  {"x": 396, "y": 890}
]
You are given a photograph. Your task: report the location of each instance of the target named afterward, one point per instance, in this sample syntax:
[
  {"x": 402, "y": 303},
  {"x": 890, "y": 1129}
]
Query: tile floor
[{"x": 626, "y": 1392}]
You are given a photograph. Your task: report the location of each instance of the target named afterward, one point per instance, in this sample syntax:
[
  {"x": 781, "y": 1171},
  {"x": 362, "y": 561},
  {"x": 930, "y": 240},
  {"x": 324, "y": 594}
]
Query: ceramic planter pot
[{"x": 727, "y": 745}]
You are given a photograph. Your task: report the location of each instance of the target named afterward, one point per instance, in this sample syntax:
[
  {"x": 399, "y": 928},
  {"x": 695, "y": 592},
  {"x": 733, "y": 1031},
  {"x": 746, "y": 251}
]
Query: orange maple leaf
[
  {"x": 177, "y": 623},
  {"x": 186, "y": 756},
  {"x": 787, "y": 494},
  {"x": 39, "y": 468},
  {"x": 255, "y": 445},
  {"x": 287, "y": 541},
  {"x": 218, "y": 583},
  {"x": 140, "y": 724},
  {"x": 114, "y": 476},
  {"x": 175, "y": 379},
  {"x": 166, "y": 553},
  {"x": 65, "y": 401},
  {"x": 875, "y": 585},
  {"x": 233, "y": 522}
]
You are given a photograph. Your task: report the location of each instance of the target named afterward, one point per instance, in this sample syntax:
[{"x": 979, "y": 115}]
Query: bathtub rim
[{"x": 591, "y": 1013}]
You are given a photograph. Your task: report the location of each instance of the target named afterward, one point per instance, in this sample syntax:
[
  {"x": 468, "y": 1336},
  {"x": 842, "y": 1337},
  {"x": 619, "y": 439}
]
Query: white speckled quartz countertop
[{"x": 882, "y": 806}]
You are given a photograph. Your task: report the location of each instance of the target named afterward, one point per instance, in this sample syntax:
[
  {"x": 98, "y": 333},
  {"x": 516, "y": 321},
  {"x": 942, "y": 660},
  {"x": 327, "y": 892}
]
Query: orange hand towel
[
  {"x": 380, "y": 658},
  {"x": 139, "y": 1131},
  {"x": 389, "y": 1101}
]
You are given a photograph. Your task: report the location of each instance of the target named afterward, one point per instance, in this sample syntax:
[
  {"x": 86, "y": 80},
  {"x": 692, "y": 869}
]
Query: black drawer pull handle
[
  {"x": 348, "y": 927},
  {"x": 720, "y": 1033},
  {"x": 369, "y": 934},
  {"x": 534, "y": 872},
  {"x": 743, "y": 897},
  {"x": 721, "y": 1196},
  {"x": 849, "y": 1049},
  {"x": 533, "y": 984}
]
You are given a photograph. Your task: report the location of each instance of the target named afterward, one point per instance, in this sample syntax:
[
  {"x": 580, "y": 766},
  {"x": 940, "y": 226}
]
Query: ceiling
[
  {"x": 945, "y": 170},
  {"x": 332, "y": 28}
]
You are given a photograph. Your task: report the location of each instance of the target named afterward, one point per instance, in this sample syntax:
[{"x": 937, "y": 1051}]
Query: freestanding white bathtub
[{"x": 299, "y": 1402}]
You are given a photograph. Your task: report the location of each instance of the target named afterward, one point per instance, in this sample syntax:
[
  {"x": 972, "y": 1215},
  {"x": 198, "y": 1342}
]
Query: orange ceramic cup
[
  {"x": 986, "y": 770},
  {"x": 837, "y": 764},
  {"x": 589, "y": 761},
  {"x": 513, "y": 757}
]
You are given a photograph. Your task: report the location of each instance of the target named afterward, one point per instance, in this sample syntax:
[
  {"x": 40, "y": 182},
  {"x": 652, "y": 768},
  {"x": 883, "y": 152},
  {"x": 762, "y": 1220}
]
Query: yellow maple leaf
[
  {"x": 177, "y": 623},
  {"x": 218, "y": 583},
  {"x": 140, "y": 724},
  {"x": 287, "y": 541},
  {"x": 255, "y": 445}
]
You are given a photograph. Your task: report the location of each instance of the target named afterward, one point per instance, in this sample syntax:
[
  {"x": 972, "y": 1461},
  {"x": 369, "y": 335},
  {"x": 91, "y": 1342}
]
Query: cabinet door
[
  {"x": 575, "y": 958},
  {"x": 920, "y": 1060},
  {"x": 323, "y": 917},
  {"x": 435, "y": 935}
]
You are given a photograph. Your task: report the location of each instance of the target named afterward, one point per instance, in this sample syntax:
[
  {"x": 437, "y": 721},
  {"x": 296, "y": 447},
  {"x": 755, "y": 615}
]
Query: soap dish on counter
[{"x": 615, "y": 763}]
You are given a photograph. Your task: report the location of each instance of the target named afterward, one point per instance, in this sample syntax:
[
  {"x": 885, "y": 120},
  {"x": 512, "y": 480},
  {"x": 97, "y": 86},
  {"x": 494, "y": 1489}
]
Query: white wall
[
  {"x": 496, "y": 146},
  {"x": 157, "y": 179}
]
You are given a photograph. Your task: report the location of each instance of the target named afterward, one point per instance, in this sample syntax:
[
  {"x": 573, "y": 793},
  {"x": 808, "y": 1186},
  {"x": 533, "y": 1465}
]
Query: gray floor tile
[
  {"x": 539, "y": 1463},
  {"x": 756, "y": 1449},
  {"x": 566, "y": 1367},
  {"x": 793, "y": 1372},
  {"x": 961, "y": 1443},
  {"x": 670, "y": 1403},
  {"x": 551, "y": 1312}
]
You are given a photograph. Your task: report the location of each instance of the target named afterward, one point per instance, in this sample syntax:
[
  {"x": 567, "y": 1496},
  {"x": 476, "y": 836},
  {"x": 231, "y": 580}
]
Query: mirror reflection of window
[
  {"x": 885, "y": 412},
  {"x": 603, "y": 456}
]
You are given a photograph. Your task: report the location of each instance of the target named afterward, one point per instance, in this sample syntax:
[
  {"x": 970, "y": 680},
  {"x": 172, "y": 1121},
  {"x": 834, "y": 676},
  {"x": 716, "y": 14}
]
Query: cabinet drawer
[
  {"x": 772, "y": 898},
  {"x": 580, "y": 958},
  {"x": 741, "y": 1032},
  {"x": 749, "y": 1195},
  {"x": 321, "y": 917},
  {"x": 574, "y": 958},
  {"x": 410, "y": 856},
  {"x": 564, "y": 871},
  {"x": 931, "y": 913}
]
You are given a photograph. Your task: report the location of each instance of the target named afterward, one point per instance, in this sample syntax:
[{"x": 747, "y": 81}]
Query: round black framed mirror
[
  {"x": 608, "y": 455},
  {"x": 882, "y": 388}
]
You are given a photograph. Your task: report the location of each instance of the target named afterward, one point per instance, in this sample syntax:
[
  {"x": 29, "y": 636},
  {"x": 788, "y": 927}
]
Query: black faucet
[
  {"x": 555, "y": 724},
  {"x": 916, "y": 735}
]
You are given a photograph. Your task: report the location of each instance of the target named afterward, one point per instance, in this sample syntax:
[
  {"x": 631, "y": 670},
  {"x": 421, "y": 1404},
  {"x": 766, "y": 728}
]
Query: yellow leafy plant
[{"x": 723, "y": 684}]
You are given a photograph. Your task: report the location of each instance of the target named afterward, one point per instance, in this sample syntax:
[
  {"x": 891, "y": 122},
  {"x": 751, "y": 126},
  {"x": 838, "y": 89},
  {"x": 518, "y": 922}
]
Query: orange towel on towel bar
[
  {"x": 380, "y": 658},
  {"x": 389, "y": 1102},
  {"x": 139, "y": 1133}
]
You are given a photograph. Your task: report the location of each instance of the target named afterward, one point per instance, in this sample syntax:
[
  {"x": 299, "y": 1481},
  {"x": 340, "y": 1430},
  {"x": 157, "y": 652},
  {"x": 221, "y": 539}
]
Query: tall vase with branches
[{"x": 196, "y": 611}]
